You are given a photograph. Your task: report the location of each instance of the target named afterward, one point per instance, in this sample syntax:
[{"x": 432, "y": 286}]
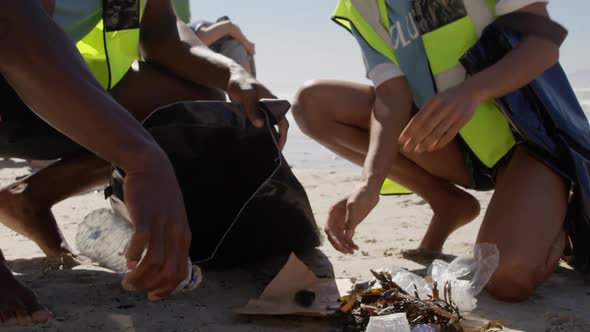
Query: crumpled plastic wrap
[{"x": 467, "y": 276}]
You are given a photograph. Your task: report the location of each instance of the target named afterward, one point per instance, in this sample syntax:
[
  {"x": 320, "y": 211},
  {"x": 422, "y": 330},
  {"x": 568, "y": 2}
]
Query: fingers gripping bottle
[{"x": 104, "y": 235}]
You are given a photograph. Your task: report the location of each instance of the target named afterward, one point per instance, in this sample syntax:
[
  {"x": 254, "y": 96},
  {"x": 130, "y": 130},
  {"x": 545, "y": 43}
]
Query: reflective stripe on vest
[
  {"x": 378, "y": 38},
  {"x": 110, "y": 54},
  {"x": 488, "y": 133}
]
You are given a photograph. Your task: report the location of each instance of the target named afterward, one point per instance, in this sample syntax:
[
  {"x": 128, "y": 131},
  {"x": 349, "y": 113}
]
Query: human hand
[
  {"x": 243, "y": 88},
  {"x": 440, "y": 120},
  {"x": 156, "y": 208},
  {"x": 347, "y": 214}
]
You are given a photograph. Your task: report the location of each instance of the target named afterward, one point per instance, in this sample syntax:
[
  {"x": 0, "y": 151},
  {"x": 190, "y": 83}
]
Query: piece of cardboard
[{"x": 278, "y": 299}]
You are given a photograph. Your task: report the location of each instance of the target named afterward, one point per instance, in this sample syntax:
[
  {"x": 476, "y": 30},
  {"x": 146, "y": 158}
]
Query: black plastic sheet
[{"x": 242, "y": 200}]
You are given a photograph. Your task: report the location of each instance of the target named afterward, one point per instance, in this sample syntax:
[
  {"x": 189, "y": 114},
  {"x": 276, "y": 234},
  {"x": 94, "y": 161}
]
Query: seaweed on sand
[{"x": 383, "y": 297}]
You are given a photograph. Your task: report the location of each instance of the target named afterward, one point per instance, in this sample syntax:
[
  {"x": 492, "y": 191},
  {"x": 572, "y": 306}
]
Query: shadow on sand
[
  {"x": 93, "y": 300},
  {"x": 13, "y": 163}
]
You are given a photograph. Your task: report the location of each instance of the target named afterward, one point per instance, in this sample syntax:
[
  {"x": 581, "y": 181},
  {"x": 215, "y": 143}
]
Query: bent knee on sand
[{"x": 515, "y": 281}]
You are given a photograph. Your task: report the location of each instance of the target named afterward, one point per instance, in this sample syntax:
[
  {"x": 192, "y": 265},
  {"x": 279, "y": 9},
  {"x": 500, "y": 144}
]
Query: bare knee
[
  {"x": 513, "y": 282},
  {"x": 305, "y": 107}
]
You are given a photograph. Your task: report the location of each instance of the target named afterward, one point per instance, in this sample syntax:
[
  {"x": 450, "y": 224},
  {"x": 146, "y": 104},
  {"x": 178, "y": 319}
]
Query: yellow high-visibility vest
[
  {"x": 113, "y": 45},
  {"x": 488, "y": 134}
]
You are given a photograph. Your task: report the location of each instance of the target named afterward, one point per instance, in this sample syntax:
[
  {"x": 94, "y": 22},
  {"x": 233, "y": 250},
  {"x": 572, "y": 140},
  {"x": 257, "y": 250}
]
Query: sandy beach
[{"x": 89, "y": 298}]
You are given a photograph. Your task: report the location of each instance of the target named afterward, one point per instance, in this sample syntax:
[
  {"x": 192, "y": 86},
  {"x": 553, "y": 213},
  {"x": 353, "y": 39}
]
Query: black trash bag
[
  {"x": 242, "y": 200},
  {"x": 550, "y": 123}
]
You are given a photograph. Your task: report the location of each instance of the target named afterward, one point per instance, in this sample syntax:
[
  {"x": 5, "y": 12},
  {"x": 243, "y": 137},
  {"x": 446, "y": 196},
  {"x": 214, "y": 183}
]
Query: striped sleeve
[{"x": 379, "y": 68}]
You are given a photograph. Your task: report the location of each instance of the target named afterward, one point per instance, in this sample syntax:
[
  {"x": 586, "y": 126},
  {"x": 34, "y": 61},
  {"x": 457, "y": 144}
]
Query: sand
[{"x": 88, "y": 298}]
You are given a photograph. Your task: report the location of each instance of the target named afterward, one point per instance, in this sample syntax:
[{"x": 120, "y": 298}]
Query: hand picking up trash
[
  {"x": 104, "y": 237},
  {"x": 434, "y": 303}
]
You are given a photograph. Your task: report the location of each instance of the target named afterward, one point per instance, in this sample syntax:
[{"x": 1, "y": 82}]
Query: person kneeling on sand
[
  {"x": 419, "y": 147},
  {"x": 72, "y": 102}
]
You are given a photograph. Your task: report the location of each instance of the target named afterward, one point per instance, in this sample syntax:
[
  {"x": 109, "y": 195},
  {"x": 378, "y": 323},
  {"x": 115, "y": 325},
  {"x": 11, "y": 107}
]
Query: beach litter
[
  {"x": 432, "y": 304},
  {"x": 436, "y": 302},
  {"x": 305, "y": 298},
  {"x": 389, "y": 323},
  {"x": 103, "y": 236},
  {"x": 383, "y": 297},
  {"x": 297, "y": 291}
]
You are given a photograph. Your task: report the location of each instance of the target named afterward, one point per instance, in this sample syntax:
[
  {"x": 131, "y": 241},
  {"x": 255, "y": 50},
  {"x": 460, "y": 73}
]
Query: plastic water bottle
[
  {"x": 389, "y": 323},
  {"x": 103, "y": 236}
]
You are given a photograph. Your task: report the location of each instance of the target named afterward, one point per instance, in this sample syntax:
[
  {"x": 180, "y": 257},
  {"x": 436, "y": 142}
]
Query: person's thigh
[
  {"x": 323, "y": 110},
  {"x": 525, "y": 219},
  {"x": 147, "y": 87},
  {"x": 326, "y": 102},
  {"x": 447, "y": 163}
]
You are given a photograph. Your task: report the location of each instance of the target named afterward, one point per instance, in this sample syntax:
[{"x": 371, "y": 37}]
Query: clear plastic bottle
[
  {"x": 389, "y": 323},
  {"x": 103, "y": 236}
]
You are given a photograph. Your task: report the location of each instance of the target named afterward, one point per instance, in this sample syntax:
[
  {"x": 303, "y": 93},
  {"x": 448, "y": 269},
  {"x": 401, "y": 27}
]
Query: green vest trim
[
  {"x": 488, "y": 133},
  {"x": 445, "y": 46},
  {"x": 110, "y": 54},
  {"x": 492, "y": 6},
  {"x": 352, "y": 17}
]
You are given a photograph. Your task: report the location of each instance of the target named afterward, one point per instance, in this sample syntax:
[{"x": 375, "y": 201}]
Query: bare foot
[
  {"x": 425, "y": 257},
  {"x": 63, "y": 262},
  {"x": 457, "y": 209},
  {"x": 32, "y": 219},
  {"x": 18, "y": 304}
]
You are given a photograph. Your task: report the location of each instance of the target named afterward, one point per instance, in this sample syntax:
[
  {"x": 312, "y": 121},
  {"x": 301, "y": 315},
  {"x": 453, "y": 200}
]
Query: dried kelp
[{"x": 383, "y": 297}]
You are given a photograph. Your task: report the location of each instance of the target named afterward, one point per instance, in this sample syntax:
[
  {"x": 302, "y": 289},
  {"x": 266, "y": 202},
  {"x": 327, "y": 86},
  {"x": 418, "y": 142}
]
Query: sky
[{"x": 296, "y": 40}]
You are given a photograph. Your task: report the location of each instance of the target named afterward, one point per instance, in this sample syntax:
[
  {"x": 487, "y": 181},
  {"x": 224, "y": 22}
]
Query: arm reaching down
[
  {"x": 171, "y": 44},
  {"x": 393, "y": 104},
  {"x": 439, "y": 121},
  {"x": 51, "y": 77}
]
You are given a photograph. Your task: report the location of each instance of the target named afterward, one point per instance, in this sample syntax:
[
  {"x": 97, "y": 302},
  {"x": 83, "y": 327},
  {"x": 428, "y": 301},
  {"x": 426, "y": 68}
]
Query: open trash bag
[
  {"x": 549, "y": 122},
  {"x": 242, "y": 200}
]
